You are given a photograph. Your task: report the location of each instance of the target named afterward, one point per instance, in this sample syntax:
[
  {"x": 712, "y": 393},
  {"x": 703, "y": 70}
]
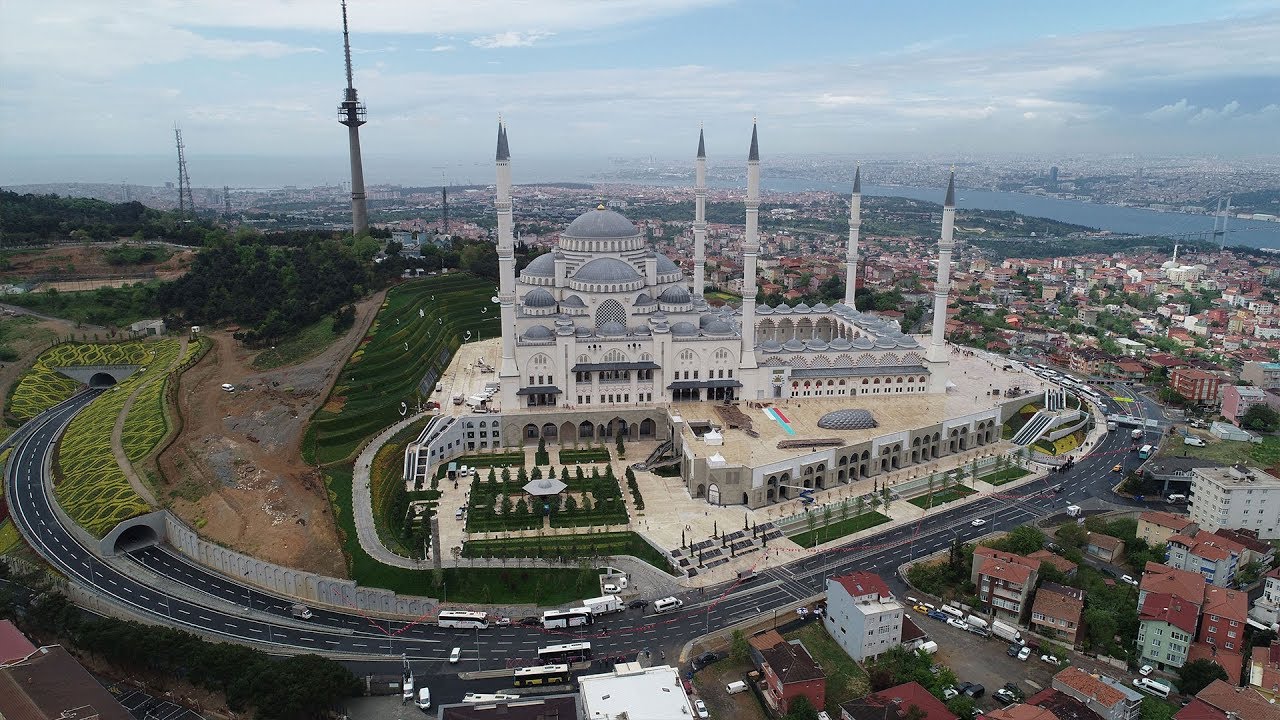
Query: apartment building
[
  {"x": 1265, "y": 375},
  {"x": 791, "y": 672},
  {"x": 1264, "y": 671},
  {"x": 1213, "y": 556},
  {"x": 1158, "y": 578},
  {"x": 1155, "y": 527},
  {"x": 1195, "y": 385},
  {"x": 1056, "y": 612},
  {"x": 862, "y": 615},
  {"x": 1237, "y": 399},
  {"x": 1005, "y": 581},
  {"x": 1166, "y": 627},
  {"x": 1109, "y": 698},
  {"x": 1223, "y": 617},
  {"x": 1236, "y": 497},
  {"x": 1266, "y": 609}
]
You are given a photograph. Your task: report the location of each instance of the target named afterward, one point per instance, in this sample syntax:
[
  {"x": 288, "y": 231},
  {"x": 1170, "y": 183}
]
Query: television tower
[
  {"x": 351, "y": 113},
  {"x": 226, "y": 200},
  {"x": 186, "y": 205},
  {"x": 444, "y": 203}
]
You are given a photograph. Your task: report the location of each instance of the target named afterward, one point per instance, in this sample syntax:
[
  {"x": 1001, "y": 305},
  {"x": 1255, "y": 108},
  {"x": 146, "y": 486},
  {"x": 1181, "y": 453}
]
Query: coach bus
[
  {"x": 541, "y": 675},
  {"x": 463, "y": 619},
  {"x": 567, "y": 653},
  {"x": 567, "y": 618}
]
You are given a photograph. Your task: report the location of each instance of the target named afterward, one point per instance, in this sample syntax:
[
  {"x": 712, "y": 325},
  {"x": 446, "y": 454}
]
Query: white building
[
  {"x": 1236, "y": 497},
  {"x": 630, "y": 688},
  {"x": 862, "y": 615}
]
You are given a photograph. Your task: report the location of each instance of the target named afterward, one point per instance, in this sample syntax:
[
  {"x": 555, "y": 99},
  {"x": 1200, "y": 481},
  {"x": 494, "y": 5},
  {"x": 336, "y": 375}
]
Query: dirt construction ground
[{"x": 236, "y": 469}]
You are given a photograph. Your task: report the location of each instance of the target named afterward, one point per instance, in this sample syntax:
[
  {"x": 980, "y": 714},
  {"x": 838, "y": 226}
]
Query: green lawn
[
  {"x": 302, "y": 345},
  {"x": 1005, "y": 476},
  {"x": 541, "y": 586},
  {"x": 569, "y": 547},
  {"x": 954, "y": 492},
  {"x": 1229, "y": 452},
  {"x": 838, "y": 529},
  {"x": 845, "y": 680}
]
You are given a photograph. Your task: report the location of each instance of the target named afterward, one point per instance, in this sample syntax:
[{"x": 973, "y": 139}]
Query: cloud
[
  {"x": 509, "y": 39},
  {"x": 442, "y": 48},
  {"x": 1208, "y": 115},
  {"x": 1174, "y": 111}
]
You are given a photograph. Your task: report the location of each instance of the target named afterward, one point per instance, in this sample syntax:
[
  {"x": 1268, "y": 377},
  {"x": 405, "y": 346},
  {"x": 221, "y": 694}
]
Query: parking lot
[{"x": 984, "y": 660}]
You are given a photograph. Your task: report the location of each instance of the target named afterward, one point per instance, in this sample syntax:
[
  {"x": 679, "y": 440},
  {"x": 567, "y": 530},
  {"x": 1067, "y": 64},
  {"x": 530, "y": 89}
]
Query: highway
[{"x": 197, "y": 599}]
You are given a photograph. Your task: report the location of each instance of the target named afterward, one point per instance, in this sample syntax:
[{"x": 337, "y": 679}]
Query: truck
[
  {"x": 1136, "y": 435},
  {"x": 1073, "y": 511},
  {"x": 977, "y": 622},
  {"x": 457, "y": 398},
  {"x": 1005, "y": 631},
  {"x": 300, "y": 611},
  {"x": 1111, "y": 426},
  {"x": 604, "y": 604}
]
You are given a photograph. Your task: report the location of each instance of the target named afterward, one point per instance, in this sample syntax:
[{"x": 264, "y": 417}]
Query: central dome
[
  {"x": 600, "y": 223},
  {"x": 606, "y": 270}
]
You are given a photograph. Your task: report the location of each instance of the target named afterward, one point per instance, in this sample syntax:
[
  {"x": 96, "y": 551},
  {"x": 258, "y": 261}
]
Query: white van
[
  {"x": 424, "y": 699},
  {"x": 735, "y": 687},
  {"x": 1155, "y": 687},
  {"x": 455, "y": 655},
  {"x": 665, "y": 604},
  {"x": 953, "y": 612},
  {"x": 1177, "y": 498}
]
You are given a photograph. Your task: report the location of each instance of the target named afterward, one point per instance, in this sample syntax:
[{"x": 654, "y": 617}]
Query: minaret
[
  {"x": 936, "y": 355},
  {"x": 750, "y": 247},
  {"x": 851, "y": 255},
  {"x": 700, "y": 220},
  {"x": 351, "y": 113},
  {"x": 506, "y": 270}
]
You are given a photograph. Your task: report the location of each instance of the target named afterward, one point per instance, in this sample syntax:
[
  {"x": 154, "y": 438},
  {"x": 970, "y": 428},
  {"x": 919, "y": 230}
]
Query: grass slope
[
  {"x": 302, "y": 345},
  {"x": 42, "y": 387}
]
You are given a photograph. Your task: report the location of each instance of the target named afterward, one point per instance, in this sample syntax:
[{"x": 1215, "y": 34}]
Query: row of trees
[{"x": 30, "y": 218}]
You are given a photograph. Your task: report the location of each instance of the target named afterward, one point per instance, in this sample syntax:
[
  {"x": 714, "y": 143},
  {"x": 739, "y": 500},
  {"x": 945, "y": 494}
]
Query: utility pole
[{"x": 186, "y": 205}]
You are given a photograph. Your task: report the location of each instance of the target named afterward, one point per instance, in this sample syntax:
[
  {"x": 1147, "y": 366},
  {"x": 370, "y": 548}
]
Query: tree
[
  {"x": 962, "y": 706},
  {"x": 622, "y": 450},
  {"x": 1261, "y": 417},
  {"x": 1197, "y": 675},
  {"x": 801, "y": 709},
  {"x": 859, "y": 505},
  {"x": 541, "y": 457},
  {"x": 739, "y": 650},
  {"x": 886, "y": 497}
]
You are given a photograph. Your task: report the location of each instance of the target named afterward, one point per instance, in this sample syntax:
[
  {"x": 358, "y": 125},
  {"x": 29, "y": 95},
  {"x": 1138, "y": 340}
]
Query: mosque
[{"x": 603, "y": 336}]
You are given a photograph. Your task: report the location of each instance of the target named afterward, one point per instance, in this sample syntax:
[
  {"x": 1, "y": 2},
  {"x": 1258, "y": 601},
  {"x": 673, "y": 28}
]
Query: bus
[
  {"x": 567, "y": 618},
  {"x": 481, "y": 698},
  {"x": 1144, "y": 452},
  {"x": 463, "y": 619},
  {"x": 541, "y": 675},
  {"x": 567, "y": 653}
]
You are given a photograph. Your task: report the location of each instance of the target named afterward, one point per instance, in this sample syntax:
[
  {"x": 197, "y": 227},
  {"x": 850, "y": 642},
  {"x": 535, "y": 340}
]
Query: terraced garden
[
  {"x": 412, "y": 340},
  {"x": 91, "y": 487},
  {"x": 147, "y": 424},
  {"x": 42, "y": 387}
]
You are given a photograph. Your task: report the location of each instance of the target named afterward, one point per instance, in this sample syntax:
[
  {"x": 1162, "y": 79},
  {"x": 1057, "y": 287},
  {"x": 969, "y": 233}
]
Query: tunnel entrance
[
  {"x": 101, "y": 380},
  {"x": 136, "y": 538}
]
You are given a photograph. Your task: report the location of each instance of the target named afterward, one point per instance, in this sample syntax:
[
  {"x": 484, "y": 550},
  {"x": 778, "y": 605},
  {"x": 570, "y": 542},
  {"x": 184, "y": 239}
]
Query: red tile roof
[
  {"x": 1231, "y": 662},
  {"x": 1171, "y": 609},
  {"x": 863, "y": 583},
  {"x": 1187, "y": 585},
  {"x": 1009, "y": 572},
  {"x": 1176, "y": 523},
  {"x": 13, "y": 644},
  {"x": 1089, "y": 686},
  {"x": 1062, "y": 564},
  {"x": 1231, "y": 604},
  {"x": 1246, "y": 703},
  {"x": 892, "y": 702}
]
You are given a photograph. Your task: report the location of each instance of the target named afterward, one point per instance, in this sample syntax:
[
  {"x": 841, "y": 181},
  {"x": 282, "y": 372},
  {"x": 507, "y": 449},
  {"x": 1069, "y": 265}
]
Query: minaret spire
[
  {"x": 700, "y": 219},
  {"x": 851, "y": 253},
  {"x": 936, "y": 355},
  {"x": 351, "y": 113},
  {"x": 750, "y": 248},
  {"x": 506, "y": 270}
]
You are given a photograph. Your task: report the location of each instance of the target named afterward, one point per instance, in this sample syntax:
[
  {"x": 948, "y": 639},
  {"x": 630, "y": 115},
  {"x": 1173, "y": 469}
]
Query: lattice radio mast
[{"x": 186, "y": 205}]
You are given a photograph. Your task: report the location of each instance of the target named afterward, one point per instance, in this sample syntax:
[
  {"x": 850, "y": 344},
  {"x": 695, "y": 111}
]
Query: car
[
  {"x": 1013, "y": 650},
  {"x": 1129, "y": 579},
  {"x": 978, "y": 522},
  {"x": 228, "y": 387},
  {"x": 975, "y": 690},
  {"x": 920, "y": 608},
  {"x": 1049, "y": 659},
  {"x": 424, "y": 699},
  {"x": 937, "y": 615},
  {"x": 976, "y": 630},
  {"x": 1145, "y": 670},
  {"x": 957, "y": 624},
  {"x": 611, "y": 589},
  {"x": 1118, "y": 467},
  {"x": 455, "y": 655},
  {"x": 704, "y": 660},
  {"x": 949, "y": 692},
  {"x": 1024, "y": 653},
  {"x": 700, "y": 708},
  {"x": 1004, "y": 696},
  {"x": 638, "y": 604},
  {"x": 1057, "y": 488},
  {"x": 502, "y": 621},
  {"x": 530, "y": 621},
  {"x": 1017, "y": 691},
  {"x": 802, "y": 611}
]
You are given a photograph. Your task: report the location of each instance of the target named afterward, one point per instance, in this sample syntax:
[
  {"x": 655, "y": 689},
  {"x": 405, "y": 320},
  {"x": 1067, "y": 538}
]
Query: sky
[{"x": 92, "y": 89}]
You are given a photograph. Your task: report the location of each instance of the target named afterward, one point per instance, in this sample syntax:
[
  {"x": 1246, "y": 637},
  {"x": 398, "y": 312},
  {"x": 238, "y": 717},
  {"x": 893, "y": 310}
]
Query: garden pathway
[{"x": 117, "y": 433}]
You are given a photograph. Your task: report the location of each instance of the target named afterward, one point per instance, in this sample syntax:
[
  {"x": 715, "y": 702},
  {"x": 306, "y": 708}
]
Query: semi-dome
[
  {"x": 674, "y": 295},
  {"x": 684, "y": 328},
  {"x": 666, "y": 266},
  {"x": 542, "y": 266},
  {"x": 538, "y": 332},
  {"x": 573, "y": 301},
  {"x": 718, "y": 327},
  {"x": 600, "y": 223},
  {"x": 612, "y": 328},
  {"x": 538, "y": 298},
  {"x": 847, "y": 420},
  {"x": 606, "y": 270},
  {"x": 643, "y": 300}
]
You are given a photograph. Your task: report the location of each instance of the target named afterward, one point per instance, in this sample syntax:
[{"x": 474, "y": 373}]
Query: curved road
[{"x": 197, "y": 599}]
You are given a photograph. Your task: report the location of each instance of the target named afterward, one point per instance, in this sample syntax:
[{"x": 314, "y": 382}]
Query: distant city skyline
[{"x": 584, "y": 80}]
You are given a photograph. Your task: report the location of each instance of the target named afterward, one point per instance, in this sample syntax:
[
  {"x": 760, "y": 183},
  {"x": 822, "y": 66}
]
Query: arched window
[{"x": 610, "y": 311}]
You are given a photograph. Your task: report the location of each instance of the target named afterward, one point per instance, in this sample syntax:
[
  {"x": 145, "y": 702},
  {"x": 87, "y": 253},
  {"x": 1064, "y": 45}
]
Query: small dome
[
  {"x": 783, "y": 309},
  {"x": 884, "y": 342},
  {"x": 674, "y": 295},
  {"x": 793, "y": 345},
  {"x": 771, "y": 346},
  {"x": 538, "y": 332},
  {"x": 573, "y": 301},
  {"x": 612, "y": 328},
  {"x": 718, "y": 327},
  {"x": 801, "y": 308},
  {"x": 583, "y": 332},
  {"x": 815, "y": 344},
  {"x": 539, "y": 298},
  {"x": 600, "y": 223},
  {"x": 764, "y": 310},
  {"x": 906, "y": 341},
  {"x": 643, "y": 300},
  {"x": 606, "y": 270},
  {"x": 666, "y": 266},
  {"x": 840, "y": 344},
  {"x": 706, "y": 320},
  {"x": 542, "y": 266},
  {"x": 847, "y": 420},
  {"x": 863, "y": 343},
  {"x": 821, "y": 308},
  {"x": 640, "y": 330},
  {"x": 683, "y": 328}
]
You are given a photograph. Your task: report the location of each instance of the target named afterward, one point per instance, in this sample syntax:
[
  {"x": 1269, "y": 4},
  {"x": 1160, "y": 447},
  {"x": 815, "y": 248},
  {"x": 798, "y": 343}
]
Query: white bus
[
  {"x": 563, "y": 654},
  {"x": 575, "y": 617},
  {"x": 462, "y": 619}
]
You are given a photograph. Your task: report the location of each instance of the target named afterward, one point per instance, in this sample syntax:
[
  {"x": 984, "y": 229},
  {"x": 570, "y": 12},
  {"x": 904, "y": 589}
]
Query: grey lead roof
[
  {"x": 600, "y": 223},
  {"x": 754, "y": 153},
  {"x": 606, "y": 270},
  {"x": 504, "y": 153},
  {"x": 857, "y": 180},
  {"x": 702, "y": 146},
  {"x": 951, "y": 191},
  {"x": 542, "y": 266}
]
